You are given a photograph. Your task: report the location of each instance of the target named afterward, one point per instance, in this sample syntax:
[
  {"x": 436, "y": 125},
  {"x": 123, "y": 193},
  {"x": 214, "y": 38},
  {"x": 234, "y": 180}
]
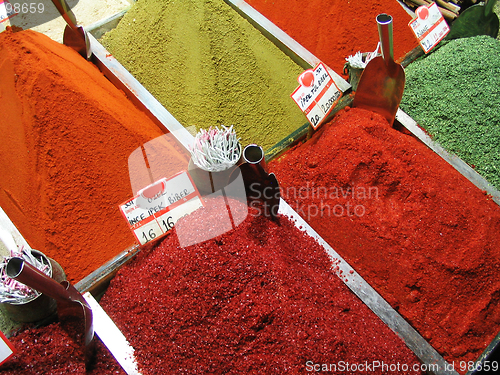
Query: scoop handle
[
  {"x": 74, "y": 36},
  {"x": 70, "y": 303},
  {"x": 66, "y": 13},
  {"x": 384, "y": 24},
  {"x": 25, "y": 273}
]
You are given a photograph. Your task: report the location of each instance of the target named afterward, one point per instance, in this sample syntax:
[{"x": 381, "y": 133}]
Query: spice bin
[
  {"x": 462, "y": 99},
  {"x": 228, "y": 61},
  {"x": 335, "y": 29}
]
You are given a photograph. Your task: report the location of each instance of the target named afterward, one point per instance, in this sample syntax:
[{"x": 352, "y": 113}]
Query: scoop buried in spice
[
  {"x": 75, "y": 36},
  {"x": 382, "y": 83},
  {"x": 73, "y": 311},
  {"x": 259, "y": 184}
]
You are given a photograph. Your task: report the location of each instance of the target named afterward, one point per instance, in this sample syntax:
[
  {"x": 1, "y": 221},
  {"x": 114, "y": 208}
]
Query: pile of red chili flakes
[{"x": 261, "y": 298}]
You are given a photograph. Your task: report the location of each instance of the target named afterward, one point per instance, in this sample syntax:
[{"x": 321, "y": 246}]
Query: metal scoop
[
  {"x": 257, "y": 180},
  {"x": 478, "y": 19},
  {"x": 71, "y": 306},
  {"x": 382, "y": 83},
  {"x": 74, "y": 36}
]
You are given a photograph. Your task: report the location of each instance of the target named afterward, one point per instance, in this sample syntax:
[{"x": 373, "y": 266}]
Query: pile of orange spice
[{"x": 67, "y": 135}]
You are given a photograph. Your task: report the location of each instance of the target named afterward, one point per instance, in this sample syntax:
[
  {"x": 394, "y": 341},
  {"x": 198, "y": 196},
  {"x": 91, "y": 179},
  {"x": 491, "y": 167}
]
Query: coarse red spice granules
[
  {"x": 259, "y": 299},
  {"x": 52, "y": 350},
  {"x": 417, "y": 230}
]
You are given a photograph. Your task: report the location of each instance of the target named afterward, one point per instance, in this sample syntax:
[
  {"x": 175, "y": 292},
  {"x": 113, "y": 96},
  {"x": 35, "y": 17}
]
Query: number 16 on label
[{"x": 148, "y": 231}]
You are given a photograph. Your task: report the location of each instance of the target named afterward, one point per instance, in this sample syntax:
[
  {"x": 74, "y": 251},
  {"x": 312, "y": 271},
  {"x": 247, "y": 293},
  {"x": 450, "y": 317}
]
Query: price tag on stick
[
  {"x": 157, "y": 207},
  {"x": 429, "y": 26},
  {"x": 317, "y": 94}
]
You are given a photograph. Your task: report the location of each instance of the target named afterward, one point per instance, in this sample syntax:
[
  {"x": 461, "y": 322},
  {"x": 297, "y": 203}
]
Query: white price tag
[
  {"x": 3, "y": 12},
  {"x": 316, "y": 95},
  {"x": 6, "y": 11},
  {"x": 429, "y": 26},
  {"x": 6, "y": 348},
  {"x": 157, "y": 207}
]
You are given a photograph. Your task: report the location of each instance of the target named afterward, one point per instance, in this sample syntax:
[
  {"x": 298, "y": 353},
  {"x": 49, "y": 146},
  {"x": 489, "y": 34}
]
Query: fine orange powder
[{"x": 67, "y": 134}]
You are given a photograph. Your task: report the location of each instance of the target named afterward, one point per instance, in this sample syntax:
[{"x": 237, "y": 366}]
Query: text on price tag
[
  {"x": 429, "y": 26},
  {"x": 156, "y": 208},
  {"x": 317, "y": 94}
]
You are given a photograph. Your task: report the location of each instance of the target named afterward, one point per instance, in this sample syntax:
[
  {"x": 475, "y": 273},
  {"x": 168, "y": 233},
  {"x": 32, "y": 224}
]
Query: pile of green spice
[
  {"x": 454, "y": 93},
  {"x": 259, "y": 299},
  {"x": 208, "y": 66}
]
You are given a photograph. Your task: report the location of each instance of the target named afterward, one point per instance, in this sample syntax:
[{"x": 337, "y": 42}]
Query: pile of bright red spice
[
  {"x": 261, "y": 298},
  {"x": 417, "y": 230},
  {"x": 54, "y": 350}
]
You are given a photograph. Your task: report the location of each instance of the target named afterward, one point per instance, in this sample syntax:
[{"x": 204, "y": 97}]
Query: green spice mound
[
  {"x": 208, "y": 66},
  {"x": 454, "y": 93}
]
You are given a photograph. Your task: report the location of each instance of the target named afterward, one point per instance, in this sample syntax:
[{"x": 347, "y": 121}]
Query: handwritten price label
[
  {"x": 429, "y": 26},
  {"x": 317, "y": 94},
  {"x": 157, "y": 207}
]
